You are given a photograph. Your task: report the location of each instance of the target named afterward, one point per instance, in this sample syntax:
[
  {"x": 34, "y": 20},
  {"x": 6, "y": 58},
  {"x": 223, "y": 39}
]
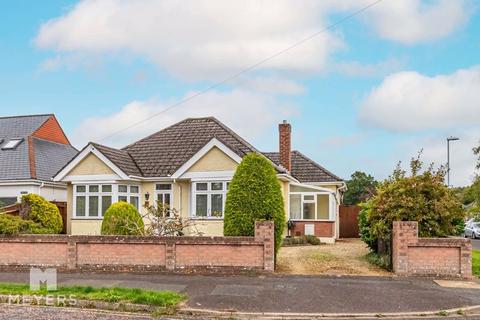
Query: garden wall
[
  {"x": 444, "y": 257},
  {"x": 115, "y": 253}
]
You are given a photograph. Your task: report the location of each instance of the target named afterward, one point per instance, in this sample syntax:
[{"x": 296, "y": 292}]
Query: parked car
[{"x": 472, "y": 230}]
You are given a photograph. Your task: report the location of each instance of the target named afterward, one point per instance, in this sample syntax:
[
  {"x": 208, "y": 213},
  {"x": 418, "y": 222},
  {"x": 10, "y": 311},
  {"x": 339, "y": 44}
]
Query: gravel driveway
[{"x": 346, "y": 256}]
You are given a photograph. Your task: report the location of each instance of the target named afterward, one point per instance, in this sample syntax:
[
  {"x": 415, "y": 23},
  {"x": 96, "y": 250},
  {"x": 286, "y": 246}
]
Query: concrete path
[{"x": 289, "y": 294}]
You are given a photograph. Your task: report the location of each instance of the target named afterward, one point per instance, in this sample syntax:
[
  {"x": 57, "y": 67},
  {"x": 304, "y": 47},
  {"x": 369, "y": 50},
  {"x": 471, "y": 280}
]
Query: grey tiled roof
[
  {"x": 305, "y": 169},
  {"x": 21, "y": 126},
  {"x": 49, "y": 156},
  {"x": 120, "y": 158},
  {"x": 162, "y": 153}
]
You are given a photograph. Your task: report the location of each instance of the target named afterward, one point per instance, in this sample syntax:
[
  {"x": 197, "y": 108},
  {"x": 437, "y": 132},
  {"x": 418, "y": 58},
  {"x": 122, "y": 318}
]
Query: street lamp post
[{"x": 451, "y": 138}]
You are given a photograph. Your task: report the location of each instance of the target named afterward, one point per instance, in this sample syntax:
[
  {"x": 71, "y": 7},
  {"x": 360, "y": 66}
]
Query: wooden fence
[{"x": 349, "y": 221}]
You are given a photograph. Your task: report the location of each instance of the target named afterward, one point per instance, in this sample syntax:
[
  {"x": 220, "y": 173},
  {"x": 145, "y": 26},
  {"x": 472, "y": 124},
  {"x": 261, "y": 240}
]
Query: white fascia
[
  {"x": 197, "y": 156},
  {"x": 82, "y": 155}
]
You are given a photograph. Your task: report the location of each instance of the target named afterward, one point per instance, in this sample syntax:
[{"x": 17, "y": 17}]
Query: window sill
[
  {"x": 87, "y": 218},
  {"x": 207, "y": 218},
  {"x": 312, "y": 220}
]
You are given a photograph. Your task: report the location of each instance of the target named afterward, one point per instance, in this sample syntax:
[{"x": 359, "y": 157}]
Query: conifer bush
[
  {"x": 122, "y": 219},
  {"x": 254, "y": 195}
]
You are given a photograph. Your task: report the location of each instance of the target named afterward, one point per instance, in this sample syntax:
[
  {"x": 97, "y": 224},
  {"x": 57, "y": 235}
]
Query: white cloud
[
  {"x": 248, "y": 113},
  {"x": 409, "y": 101},
  {"x": 413, "y": 21},
  {"x": 211, "y": 39},
  {"x": 200, "y": 39}
]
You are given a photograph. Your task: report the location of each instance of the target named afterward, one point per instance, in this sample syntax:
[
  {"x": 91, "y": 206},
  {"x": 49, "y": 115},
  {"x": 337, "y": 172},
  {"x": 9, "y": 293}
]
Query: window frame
[
  {"x": 331, "y": 205},
  {"x": 163, "y": 193},
  {"x": 15, "y": 143},
  {"x": 114, "y": 194},
  {"x": 209, "y": 192}
]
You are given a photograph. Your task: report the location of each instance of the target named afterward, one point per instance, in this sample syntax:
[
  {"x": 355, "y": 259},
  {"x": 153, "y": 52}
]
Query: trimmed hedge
[
  {"x": 44, "y": 214},
  {"x": 254, "y": 195},
  {"x": 122, "y": 218}
]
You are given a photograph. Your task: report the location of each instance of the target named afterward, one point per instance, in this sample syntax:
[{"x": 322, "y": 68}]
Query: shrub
[
  {"x": 122, "y": 218},
  {"x": 291, "y": 241},
  {"x": 254, "y": 195},
  {"x": 422, "y": 196},
  {"x": 42, "y": 212},
  {"x": 10, "y": 225}
]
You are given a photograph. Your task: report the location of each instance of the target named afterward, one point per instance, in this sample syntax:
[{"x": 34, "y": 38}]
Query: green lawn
[
  {"x": 476, "y": 262},
  {"x": 125, "y": 295}
]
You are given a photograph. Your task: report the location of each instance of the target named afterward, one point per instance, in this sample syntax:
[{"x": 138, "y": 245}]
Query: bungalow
[
  {"x": 32, "y": 149},
  {"x": 188, "y": 166}
]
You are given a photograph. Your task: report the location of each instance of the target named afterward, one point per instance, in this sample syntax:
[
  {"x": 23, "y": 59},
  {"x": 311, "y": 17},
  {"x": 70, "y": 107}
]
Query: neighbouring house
[
  {"x": 32, "y": 150},
  {"x": 188, "y": 166}
]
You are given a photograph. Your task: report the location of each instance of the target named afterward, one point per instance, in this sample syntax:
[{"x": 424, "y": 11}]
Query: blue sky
[{"x": 375, "y": 90}]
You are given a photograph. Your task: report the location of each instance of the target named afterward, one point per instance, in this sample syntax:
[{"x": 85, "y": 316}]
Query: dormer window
[{"x": 11, "y": 144}]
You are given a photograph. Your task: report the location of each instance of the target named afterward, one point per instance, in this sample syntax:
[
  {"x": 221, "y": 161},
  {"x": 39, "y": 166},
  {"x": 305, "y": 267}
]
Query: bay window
[
  {"x": 90, "y": 201},
  {"x": 208, "y": 198}
]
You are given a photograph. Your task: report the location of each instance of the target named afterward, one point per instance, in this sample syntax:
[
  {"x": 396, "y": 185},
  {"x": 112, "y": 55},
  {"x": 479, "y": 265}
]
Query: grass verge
[
  {"x": 165, "y": 299},
  {"x": 476, "y": 262}
]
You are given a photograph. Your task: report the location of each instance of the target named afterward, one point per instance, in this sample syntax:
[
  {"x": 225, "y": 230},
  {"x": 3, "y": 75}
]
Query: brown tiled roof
[
  {"x": 162, "y": 153},
  {"x": 120, "y": 158},
  {"x": 305, "y": 169}
]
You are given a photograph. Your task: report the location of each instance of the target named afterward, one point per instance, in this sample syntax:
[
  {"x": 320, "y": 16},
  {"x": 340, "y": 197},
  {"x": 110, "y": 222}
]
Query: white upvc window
[
  {"x": 130, "y": 194},
  {"x": 208, "y": 199},
  {"x": 312, "y": 206},
  {"x": 164, "y": 194},
  {"x": 90, "y": 201}
]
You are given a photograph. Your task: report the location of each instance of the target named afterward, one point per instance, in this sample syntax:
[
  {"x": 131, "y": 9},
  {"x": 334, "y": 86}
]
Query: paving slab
[{"x": 458, "y": 284}]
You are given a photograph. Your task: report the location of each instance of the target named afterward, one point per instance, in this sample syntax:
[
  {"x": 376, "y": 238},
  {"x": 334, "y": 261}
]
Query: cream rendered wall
[
  {"x": 91, "y": 165},
  {"x": 214, "y": 160}
]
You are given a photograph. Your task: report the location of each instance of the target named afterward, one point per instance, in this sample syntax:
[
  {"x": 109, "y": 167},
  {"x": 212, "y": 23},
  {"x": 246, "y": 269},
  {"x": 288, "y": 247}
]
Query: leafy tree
[
  {"x": 122, "y": 219},
  {"x": 254, "y": 195},
  {"x": 165, "y": 221},
  {"x": 360, "y": 188},
  {"x": 422, "y": 196},
  {"x": 41, "y": 212}
]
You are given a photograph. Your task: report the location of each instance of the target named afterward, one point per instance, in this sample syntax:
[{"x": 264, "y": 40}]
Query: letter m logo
[{"x": 47, "y": 277}]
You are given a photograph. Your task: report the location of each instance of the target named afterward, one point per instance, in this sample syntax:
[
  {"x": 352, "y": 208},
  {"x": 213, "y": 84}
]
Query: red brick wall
[
  {"x": 51, "y": 131},
  {"x": 219, "y": 255},
  {"x": 20, "y": 253},
  {"x": 140, "y": 253},
  {"x": 120, "y": 254},
  {"x": 321, "y": 228},
  {"x": 445, "y": 257}
]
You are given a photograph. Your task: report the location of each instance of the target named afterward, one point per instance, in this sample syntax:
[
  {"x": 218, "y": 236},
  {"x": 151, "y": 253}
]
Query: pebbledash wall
[
  {"x": 440, "y": 257},
  {"x": 115, "y": 253}
]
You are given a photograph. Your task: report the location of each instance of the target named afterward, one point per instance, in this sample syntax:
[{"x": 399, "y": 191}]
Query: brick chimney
[{"x": 285, "y": 133}]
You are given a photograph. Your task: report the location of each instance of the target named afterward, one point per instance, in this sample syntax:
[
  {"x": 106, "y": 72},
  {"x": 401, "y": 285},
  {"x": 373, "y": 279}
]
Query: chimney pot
[{"x": 285, "y": 141}]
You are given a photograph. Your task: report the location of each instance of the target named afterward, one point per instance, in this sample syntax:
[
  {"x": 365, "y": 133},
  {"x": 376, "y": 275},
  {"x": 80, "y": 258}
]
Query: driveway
[
  {"x": 345, "y": 257},
  {"x": 289, "y": 294}
]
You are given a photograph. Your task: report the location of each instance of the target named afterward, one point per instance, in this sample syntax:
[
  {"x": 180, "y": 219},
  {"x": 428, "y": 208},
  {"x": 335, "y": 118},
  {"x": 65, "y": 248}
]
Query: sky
[{"x": 375, "y": 89}]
